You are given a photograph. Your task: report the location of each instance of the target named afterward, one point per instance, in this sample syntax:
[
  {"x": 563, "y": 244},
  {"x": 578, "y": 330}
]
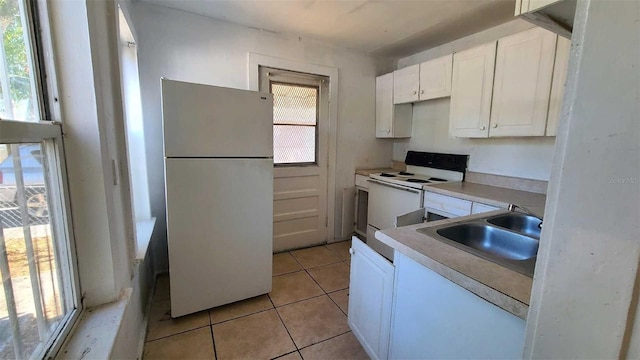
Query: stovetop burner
[
  {"x": 420, "y": 181},
  {"x": 387, "y": 175},
  {"x": 405, "y": 173},
  {"x": 436, "y": 179}
]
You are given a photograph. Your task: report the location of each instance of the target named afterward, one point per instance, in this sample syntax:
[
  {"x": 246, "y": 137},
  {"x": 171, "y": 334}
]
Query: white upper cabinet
[
  {"x": 406, "y": 83},
  {"x": 392, "y": 121},
  {"x": 521, "y": 90},
  {"x": 553, "y": 15},
  {"x": 557, "y": 86},
  {"x": 471, "y": 91},
  {"x": 435, "y": 78}
]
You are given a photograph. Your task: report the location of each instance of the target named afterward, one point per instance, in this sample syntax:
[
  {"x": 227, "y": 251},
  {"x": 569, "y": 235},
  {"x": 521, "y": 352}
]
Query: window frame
[
  {"x": 315, "y": 126},
  {"x": 49, "y": 133},
  {"x": 286, "y": 77}
]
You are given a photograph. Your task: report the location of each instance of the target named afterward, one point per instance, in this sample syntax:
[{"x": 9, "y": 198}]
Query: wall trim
[{"x": 254, "y": 61}]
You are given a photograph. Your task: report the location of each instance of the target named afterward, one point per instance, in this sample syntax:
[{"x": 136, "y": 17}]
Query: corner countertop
[
  {"x": 499, "y": 285},
  {"x": 367, "y": 172},
  {"x": 491, "y": 195}
]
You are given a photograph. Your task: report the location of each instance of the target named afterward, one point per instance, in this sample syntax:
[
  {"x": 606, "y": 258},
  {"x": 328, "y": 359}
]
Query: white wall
[
  {"x": 519, "y": 157},
  {"x": 183, "y": 46},
  {"x": 586, "y": 283}
]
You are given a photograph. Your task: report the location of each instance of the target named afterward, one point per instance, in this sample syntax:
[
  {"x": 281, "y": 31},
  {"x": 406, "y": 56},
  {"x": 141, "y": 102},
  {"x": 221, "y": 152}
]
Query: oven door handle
[{"x": 411, "y": 190}]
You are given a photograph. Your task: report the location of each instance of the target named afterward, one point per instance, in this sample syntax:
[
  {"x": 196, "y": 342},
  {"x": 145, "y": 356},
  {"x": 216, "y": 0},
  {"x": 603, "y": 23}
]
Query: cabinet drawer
[
  {"x": 479, "y": 208},
  {"x": 447, "y": 204},
  {"x": 362, "y": 181}
]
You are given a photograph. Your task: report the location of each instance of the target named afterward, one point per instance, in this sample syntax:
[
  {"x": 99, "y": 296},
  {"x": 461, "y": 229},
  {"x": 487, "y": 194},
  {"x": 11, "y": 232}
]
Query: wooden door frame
[{"x": 254, "y": 61}]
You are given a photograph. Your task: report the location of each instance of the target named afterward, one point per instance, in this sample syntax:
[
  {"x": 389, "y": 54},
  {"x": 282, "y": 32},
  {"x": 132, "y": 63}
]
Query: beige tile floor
[{"x": 304, "y": 316}]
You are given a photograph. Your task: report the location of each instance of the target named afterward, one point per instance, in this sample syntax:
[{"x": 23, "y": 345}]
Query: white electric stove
[{"x": 397, "y": 193}]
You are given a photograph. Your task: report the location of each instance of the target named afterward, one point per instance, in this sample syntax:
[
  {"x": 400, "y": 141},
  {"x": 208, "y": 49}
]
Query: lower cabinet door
[
  {"x": 370, "y": 299},
  {"x": 433, "y": 318}
]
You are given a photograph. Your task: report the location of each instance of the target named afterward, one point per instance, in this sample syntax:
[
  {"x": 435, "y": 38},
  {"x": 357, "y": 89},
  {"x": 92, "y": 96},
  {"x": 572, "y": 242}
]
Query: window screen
[{"x": 295, "y": 121}]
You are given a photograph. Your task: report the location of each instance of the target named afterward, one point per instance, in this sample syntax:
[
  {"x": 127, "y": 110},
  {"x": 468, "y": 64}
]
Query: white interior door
[{"x": 300, "y": 136}]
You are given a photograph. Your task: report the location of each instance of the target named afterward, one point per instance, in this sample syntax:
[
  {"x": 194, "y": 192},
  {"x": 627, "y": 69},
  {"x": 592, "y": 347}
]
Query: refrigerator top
[{"x": 201, "y": 121}]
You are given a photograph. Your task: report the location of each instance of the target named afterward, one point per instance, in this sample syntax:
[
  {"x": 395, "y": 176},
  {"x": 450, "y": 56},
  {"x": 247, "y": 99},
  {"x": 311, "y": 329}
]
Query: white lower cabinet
[
  {"x": 370, "y": 299},
  {"x": 479, "y": 208},
  {"x": 433, "y": 318}
]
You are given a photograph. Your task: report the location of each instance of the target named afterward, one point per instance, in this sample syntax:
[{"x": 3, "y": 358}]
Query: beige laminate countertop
[
  {"x": 499, "y": 285},
  {"x": 367, "y": 172},
  {"x": 491, "y": 195}
]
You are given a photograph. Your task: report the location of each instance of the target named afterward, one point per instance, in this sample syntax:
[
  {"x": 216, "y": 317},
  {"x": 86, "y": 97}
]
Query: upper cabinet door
[
  {"x": 406, "y": 84},
  {"x": 384, "y": 106},
  {"x": 522, "y": 84},
  {"x": 392, "y": 121},
  {"x": 557, "y": 86},
  {"x": 435, "y": 78},
  {"x": 471, "y": 91}
]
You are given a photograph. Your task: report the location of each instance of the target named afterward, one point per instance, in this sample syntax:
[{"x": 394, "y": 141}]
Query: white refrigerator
[{"x": 218, "y": 151}]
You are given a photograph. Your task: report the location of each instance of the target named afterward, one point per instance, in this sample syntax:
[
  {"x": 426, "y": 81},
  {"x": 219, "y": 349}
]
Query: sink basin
[
  {"x": 489, "y": 239},
  {"x": 522, "y": 223}
]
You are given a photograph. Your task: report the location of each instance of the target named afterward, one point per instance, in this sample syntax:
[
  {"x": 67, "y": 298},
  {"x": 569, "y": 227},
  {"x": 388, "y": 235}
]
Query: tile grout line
[
  {"x": 283, "y": 324},
  {"x": 213, "y": 340},
  {"x": 289, "y": 353},
  {"x": 178, "y": 333},
  {"x": 327, "y": 294},
  {"x": 320, "y": 342},
  {"x": 299, "y": 301},
  {"x": 245, "y": 315},
  {"x": 321, "y": 288},
  {"x": 215, "y": 352}
]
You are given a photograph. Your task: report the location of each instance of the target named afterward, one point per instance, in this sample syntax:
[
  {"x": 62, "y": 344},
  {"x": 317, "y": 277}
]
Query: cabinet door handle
[
  {"x": 421, "y": 91},
  {"x": 388, "y": 131},
  {"x": 495, "y": 126},
  {"x": 351, "y": 251},
  {"x": 482, "y": 127},
  {"x": 414, "y": 92}
]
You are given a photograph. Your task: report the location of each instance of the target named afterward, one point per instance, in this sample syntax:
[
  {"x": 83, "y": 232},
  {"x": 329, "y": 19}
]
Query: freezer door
[
  {"x": 220, "y": 231},
  {"x": 210, "y": 121}
]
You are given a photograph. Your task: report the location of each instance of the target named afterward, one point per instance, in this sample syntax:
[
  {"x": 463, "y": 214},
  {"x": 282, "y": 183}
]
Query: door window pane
[
  {"x": 18, "y": 99},
  {"x": 294, "y": 144},
  {"x": 294, "y": 104},
  {"x": 33, "y": 299},
  {"x": 295, "y": 117}
]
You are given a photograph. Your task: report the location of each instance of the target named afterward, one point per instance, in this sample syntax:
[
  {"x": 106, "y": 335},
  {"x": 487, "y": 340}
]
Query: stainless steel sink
[
  {"x": 490, "y": 239},
  {"x": 522, "y": 223},
  {"x": 508, "y": 248}
]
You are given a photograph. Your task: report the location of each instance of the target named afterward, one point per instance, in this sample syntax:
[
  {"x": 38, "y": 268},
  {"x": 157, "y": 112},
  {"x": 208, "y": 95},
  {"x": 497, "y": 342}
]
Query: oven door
[
  {"x": 387, "y": 201},
  {"x": 430, "y": 215},
  {"x": 411, "y": 218}
]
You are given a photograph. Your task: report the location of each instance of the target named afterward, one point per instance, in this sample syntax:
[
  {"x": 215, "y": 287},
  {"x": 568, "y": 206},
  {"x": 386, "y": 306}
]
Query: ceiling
[{"x": 382, "y": 27}]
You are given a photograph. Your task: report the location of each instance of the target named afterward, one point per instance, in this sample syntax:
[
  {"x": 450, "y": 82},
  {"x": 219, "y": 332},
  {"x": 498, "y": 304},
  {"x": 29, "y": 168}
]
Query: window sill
[
  {"x": 96, "y": 331},
  {"x": 144, "y": 230}
]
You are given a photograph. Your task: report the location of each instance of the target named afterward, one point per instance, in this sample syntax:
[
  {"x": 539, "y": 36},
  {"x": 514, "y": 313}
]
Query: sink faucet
[{"x": 514, "y": 207}]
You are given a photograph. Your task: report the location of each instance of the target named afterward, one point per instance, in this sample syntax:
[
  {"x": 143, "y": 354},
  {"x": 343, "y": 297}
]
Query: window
[
  {"x": 39, "y": 298},
  {"x": 295, "y": 123},
  {"x": 136, "y": 152}
]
